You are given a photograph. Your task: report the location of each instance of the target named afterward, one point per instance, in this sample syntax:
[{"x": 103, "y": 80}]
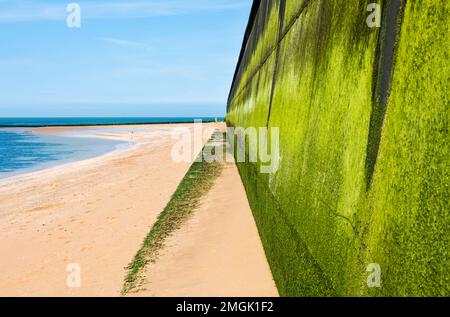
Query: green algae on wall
[
  {"x": 408, "y": 203},
  {"x": 320, "y": 224}
]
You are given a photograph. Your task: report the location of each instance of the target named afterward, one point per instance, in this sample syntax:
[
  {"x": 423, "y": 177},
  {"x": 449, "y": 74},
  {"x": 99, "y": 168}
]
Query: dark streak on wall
[{"x": 392, "y": 14}]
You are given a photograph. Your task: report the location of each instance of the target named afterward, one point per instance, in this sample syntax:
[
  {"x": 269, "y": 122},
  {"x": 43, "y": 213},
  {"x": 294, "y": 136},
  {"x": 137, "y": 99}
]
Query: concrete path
[{"x": 217, "y": 252}]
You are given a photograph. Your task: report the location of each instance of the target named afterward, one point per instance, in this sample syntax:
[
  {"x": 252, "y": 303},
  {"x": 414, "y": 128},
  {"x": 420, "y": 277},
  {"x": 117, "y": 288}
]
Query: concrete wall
[{"x": 363, "y": 174}]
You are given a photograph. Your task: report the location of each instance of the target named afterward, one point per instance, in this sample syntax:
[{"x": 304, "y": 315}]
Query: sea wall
[{"x": 363, "y": 169}]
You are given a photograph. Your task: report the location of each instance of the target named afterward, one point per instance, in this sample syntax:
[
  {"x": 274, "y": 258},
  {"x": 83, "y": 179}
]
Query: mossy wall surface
[{"x": 310, "y": 68}]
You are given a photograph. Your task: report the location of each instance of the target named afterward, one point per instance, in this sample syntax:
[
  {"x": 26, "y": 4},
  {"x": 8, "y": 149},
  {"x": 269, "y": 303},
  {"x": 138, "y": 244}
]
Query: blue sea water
[
  {"x": 22, "y": 150},
  {"x": 39, "y": 122}
]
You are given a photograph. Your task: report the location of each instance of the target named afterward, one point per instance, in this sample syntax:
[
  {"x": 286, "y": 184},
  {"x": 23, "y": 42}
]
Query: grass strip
[{"x": 196, "y": 183}]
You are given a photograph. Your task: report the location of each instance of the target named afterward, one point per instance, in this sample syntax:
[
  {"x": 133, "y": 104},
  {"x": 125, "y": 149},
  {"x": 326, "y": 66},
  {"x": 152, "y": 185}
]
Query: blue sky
[{"x": 129, "y": 58}]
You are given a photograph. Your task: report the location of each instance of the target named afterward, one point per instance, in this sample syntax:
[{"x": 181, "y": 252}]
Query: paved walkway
[{"x": 217, "y": 252}]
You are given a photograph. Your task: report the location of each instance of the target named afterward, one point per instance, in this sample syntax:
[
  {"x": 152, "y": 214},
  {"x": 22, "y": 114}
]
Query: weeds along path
[
  {"x": 198, "y": 180},
  {"x": 205, "y": 242}
]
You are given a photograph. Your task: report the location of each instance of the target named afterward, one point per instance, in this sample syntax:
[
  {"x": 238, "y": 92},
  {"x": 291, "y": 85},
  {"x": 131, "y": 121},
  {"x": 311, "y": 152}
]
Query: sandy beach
[
  {"x": 92, "y": 213},
  {"x": 95, "y": 213}
]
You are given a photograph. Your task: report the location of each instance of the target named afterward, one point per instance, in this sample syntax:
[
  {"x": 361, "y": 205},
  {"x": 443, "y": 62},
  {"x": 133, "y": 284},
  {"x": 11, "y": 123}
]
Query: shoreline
[
  {"x": 94, "y": 213},
  {"x": 62, "y": 130},
  {"x": 122, "y": 145},
  {"x": 56, "y": 166}
]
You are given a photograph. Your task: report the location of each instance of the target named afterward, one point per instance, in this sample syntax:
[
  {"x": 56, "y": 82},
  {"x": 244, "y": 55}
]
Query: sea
[{"x": 23, "y": 151}]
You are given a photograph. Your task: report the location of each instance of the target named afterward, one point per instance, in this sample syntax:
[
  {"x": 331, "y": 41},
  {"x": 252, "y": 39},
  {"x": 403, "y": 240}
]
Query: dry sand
[{"x": 95, "y": 213}]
